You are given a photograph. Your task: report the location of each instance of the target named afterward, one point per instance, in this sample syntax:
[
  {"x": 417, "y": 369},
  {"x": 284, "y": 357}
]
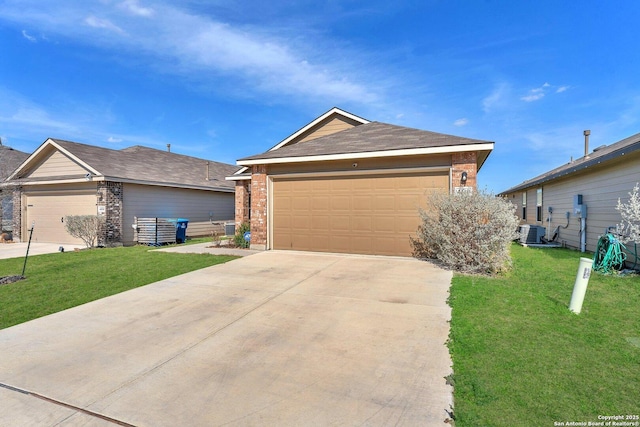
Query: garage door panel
[
  {"x": 285, "y": 203},
  {"x": 282, "y": 222},
  {"x": 407, "y": 202},
  {"x": 302, "y": 222},
  {"x": 301, "y": 203},
  {"x": 357, "y": 214},
  {"x": 362, "y": 224},
  {"x": 341, "y": 202},
  {"x": 362, "y": 203},
  {"x": 384, "y": 203},
  {"x": 321, "y": 223},
  {"x": 360, "y": 243},
  {"x": 321, "y": 203},
  {"x": 340, "y": 244},
  {"x": 340, "y": 223},
  {"x": 385, "y": 223}
]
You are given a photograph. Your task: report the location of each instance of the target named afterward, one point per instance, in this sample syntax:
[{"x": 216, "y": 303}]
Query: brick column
[
  {"x": 464, "y": 162},
  {"x": 17, "y": 214},
  {"x": 242, "y": 202},
  {"x": 259, "y": 207},
  {"x": 110, "y": 197}
]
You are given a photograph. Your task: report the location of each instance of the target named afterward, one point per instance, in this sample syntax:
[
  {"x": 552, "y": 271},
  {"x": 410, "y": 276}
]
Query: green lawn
[
  {"x": 521, "y": 358},
  {"x": 59, "y": 281}
]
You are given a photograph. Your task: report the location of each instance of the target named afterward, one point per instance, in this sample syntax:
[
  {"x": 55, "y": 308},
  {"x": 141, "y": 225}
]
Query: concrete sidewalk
[
  {"x": 276, "y": 338},
  {"x": 207, "y": 248}
]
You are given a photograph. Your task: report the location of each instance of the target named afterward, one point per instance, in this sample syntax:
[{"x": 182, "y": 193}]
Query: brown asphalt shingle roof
[
  {"x": 598, "y": 156},
  {"x": 369, "y": 137},
  {"x": 148, "y": 165},
  {"x": 10, "y": 159}
]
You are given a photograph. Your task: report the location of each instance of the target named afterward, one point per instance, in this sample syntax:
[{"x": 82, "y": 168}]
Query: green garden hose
[{"x": 609, "y": 255}]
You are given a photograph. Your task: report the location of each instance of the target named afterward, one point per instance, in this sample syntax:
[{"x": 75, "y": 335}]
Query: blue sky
[{"x": 225, "y": 79}]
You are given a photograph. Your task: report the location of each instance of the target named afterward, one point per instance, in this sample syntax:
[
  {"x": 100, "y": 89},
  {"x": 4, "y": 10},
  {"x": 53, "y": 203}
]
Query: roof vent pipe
[
  {"x": 169, "y": 148},
  {"x": 207, "y": 177},
  {"x": 586, "y": 142}
]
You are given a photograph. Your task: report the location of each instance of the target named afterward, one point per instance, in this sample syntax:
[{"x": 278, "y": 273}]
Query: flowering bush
[
  {"x": 629, "y": 229},
  {"x": 469, "y": 232}
]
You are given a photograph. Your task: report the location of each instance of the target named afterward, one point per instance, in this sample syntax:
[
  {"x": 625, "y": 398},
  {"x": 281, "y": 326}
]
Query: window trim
[{"x": 539, "y": 204}]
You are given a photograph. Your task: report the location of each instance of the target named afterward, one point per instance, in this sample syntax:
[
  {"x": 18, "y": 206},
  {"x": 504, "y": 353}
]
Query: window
[
  {"x": 524, "y": 205},
  {"x": 539, "y": 204}
]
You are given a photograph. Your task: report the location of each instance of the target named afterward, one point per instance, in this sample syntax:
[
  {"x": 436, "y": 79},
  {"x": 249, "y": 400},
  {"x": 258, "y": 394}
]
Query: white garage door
[{"x": 48, "y": 211}]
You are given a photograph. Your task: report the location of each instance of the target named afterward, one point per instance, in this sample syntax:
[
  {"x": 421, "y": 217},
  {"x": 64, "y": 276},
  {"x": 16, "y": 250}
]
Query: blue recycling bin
[{"x": 181, "y": 230}]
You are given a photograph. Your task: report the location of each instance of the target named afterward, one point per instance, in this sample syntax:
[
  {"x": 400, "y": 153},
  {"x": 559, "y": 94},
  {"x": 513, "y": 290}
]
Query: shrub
[
  {"x": 238, "y": 239},
  {"x": 629, "y": 228},
  {"x": 469, "y": 232},
  {"x": 85, "y": 227}
]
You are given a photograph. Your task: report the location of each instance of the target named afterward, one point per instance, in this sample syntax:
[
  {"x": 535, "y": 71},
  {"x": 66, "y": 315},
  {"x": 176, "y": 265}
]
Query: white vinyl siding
[{"x": 144, "y": 201}]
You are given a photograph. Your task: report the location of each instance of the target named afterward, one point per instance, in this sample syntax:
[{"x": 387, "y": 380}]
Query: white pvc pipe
[{"x": 580, "y": 286}]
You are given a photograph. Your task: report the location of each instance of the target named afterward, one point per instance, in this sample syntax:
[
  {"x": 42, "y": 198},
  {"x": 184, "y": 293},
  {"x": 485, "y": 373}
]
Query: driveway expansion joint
[{"x": 65, "y": 405}]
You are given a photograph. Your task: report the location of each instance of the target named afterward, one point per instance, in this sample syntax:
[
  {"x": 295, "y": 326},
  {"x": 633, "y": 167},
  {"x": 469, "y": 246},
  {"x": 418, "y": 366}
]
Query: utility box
[{"x": 579, "y": 209}]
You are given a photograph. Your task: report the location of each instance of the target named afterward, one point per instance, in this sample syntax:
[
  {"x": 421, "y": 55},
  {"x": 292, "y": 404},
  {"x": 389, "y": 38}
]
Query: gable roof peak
[{"x": 317, "y": 121}]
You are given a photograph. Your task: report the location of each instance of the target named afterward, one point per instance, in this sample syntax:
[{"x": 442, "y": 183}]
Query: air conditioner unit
[{"x": 531, "y": 234}]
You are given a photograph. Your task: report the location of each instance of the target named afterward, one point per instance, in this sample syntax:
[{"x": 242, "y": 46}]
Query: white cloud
[
  {"x": 94, "y": 22},
  {"x": 496, "y": 98},
  {"x": 461, "y": 122},
  {"x": 28, "y": 37},
  {"x": 538, "y": 93},
  {"x": 114, "y": 140},
  {"x": 179, "y": 41},
  {"x": 133, "y": 7},
  {"x": 533, "y": 96}
]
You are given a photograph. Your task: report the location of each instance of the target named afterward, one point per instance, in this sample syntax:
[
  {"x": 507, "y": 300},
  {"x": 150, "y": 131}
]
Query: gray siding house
[
  {"x": 64, "y": 178},
  {"x": 600, "y": 178}
]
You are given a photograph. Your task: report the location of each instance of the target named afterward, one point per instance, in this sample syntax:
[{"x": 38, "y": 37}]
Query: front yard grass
[
  {"x": 521, "y": 358},
  {"x": 55, "y": 282}
]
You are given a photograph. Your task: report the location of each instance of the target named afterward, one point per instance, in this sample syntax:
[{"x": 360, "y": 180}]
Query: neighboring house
[
  {"x": 64, "y": 178},
  {"x": 601, "y": 177},
  {"x": 10, "y": 159},
  {"x": 345, "y": 184}
]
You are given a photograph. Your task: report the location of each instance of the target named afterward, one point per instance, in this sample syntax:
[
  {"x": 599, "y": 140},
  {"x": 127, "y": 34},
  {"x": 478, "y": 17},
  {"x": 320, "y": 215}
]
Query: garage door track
[{"x": 275, "y": 338}]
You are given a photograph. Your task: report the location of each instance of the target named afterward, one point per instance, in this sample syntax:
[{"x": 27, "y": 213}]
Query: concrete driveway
[
  {"x": 275, "y": 338},
  {"x": 19, "y": 250}
]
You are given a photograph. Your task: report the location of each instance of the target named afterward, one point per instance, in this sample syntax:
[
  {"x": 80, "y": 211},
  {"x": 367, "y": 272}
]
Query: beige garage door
[
  {"x": 48, "y": 210},
  {"x": 365, "y": 214}
]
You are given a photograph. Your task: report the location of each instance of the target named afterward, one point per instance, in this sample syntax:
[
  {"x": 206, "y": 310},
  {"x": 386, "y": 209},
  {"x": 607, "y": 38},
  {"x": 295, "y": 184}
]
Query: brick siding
[
  {"x": 242, "y": 202},
  {"x": 17, "y": 214},
  {"x": 110, "y": 196},
  {"x": 464, "y": 162},
  {"x": 259, "y": 207}
]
